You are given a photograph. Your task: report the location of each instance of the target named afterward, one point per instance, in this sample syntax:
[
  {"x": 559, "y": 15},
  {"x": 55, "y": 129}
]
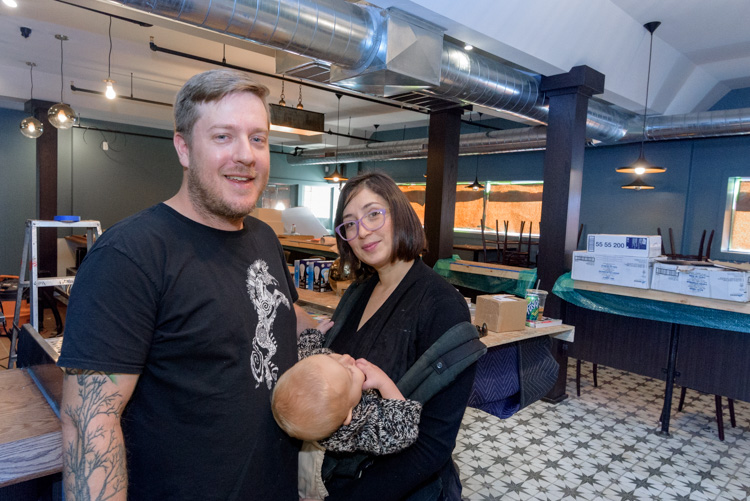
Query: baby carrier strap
[
  {"x": 454, "y": 351},
  {"x": 449, "y": 356}
]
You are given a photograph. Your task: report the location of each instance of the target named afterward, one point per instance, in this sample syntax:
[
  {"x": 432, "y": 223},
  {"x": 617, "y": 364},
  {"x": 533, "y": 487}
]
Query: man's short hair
[{"x": 207, "y": 87}]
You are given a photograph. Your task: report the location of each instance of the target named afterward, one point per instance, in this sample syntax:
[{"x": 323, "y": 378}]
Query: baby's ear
[{"x": 348, "y": 417}]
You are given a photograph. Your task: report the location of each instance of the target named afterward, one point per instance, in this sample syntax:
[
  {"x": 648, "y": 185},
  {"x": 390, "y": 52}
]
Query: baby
[{"x": 344, "y": 405}]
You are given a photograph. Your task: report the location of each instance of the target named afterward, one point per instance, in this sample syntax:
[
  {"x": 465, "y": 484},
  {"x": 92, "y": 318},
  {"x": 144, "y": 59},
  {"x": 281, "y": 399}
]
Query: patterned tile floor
[{"x": 604, "y": 445}]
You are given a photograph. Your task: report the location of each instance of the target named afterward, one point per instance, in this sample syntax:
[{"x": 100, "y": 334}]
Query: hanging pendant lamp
[
  {"x": 336, "y": 176},
  {"x": 109, "y": 92},
  {"x": 30, "y": 126},
  {"x": 641, "y": 165},
  {"x": 62, "y": 115},
  {"x": 476, "y": 185},
  {"x": 638, "y": 184}
]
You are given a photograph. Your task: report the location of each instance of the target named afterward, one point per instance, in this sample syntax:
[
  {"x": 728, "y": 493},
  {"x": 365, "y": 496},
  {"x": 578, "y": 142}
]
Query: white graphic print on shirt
[{"x": 266, "y": 303}]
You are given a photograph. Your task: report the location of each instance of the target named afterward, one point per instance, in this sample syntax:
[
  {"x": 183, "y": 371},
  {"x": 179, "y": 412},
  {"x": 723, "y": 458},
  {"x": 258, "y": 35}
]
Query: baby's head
[{"x": 316, "y": 396}]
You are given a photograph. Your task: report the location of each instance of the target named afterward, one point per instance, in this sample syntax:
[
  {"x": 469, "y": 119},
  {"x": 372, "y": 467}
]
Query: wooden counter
[
  {"x": 667, "y": 297},
  {"x": 30, "y": 434},
  {"x": 327, "y": 301},
  {"x": 310, "y": 248},
  {"x": 324, "y": 301},
  {"x": 489, "y": 269},
  {"x": 563, "y": 332}
]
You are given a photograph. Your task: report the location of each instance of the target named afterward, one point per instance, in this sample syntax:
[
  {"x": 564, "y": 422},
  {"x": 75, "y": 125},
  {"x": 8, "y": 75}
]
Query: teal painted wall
[
  {"x": 134, "y": 173},
  {"x": 137, "y": 172}
]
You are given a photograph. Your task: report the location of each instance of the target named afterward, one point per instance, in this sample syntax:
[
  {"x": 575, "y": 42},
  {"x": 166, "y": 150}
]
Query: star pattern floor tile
[{"x": 605, "y": 445}]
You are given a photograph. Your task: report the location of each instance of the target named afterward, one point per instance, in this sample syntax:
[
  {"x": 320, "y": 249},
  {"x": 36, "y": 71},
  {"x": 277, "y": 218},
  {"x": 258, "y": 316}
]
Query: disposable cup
[{"x": 542, "y": 299}]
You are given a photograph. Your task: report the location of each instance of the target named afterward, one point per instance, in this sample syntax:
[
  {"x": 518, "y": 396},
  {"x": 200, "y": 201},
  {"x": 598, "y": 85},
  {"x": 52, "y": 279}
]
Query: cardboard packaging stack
[
  {"x": 693, "y": 279},
  {"x": 626, "y": 260},
  {"x": 635, "y": 261}
]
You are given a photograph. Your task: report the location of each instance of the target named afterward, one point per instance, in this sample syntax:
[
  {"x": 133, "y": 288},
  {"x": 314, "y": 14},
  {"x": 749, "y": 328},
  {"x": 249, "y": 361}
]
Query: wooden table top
[
  {"x": 667, "y": 297},
  {"x": 325, "y": 301},
  {"x": 563, "y": 331},
  {"x": 489, "y": 269},
  {"x": 328, "y": 301},
  {"x": 30, "y": 434}
]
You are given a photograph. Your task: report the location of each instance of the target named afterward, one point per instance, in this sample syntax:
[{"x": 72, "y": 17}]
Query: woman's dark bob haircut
[{"x": 408, "y": 235}]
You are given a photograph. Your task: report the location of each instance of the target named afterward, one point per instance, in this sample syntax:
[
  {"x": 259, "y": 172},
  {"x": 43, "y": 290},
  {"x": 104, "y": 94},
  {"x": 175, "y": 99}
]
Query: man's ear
[
  {"x": 183, "y": 149},
  {"x": 348, "y": 417}
]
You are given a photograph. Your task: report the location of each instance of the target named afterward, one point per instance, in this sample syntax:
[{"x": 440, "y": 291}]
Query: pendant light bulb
[
  {"x": 31, "y": 127},
  {"x": 110, "y": 92},
  {"x": 61, "y": 115}
]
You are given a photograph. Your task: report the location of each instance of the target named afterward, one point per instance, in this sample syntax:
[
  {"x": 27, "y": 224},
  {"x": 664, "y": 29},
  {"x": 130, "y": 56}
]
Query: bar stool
[
  {"x": 719, "y": 411},
  {"x": 578, "y": 376}
]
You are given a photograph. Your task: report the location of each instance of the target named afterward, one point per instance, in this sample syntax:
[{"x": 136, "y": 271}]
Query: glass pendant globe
[
  {"x": 62, "y": 116},
  {"x": 31, "y": 127}
]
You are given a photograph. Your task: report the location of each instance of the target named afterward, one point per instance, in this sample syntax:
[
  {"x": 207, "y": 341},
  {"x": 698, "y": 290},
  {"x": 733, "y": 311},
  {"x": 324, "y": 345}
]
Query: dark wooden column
[
  {"x": 568, "y": 95},
  {"x": 442, "y": 175},
  {"x": 46, "y": 185},
  {"x": 563, "y": 172}
]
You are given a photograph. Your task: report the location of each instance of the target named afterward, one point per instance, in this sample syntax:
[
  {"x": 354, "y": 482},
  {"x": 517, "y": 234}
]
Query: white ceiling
[{"x": 701, "y": 52}]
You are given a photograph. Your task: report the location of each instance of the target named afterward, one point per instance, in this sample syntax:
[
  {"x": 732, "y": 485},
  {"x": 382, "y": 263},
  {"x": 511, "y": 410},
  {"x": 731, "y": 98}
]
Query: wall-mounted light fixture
[
  {"x": 30, "y": 126},
  {"x": 62, "y": 115},
  {"x": 641, "y": 165}
]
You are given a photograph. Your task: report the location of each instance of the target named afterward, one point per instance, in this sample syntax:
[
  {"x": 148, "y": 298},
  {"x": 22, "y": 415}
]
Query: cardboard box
[
  {"x": 271, "y": 217},
  {"x": 625, "y": 245},
  {"x": 702, "y": 281},
  {"x": 321, "y": 273},
  {"x": 501, "y": 312},
  {"x": 627, "y": 271},
  {"x": 305, "y": 271}
]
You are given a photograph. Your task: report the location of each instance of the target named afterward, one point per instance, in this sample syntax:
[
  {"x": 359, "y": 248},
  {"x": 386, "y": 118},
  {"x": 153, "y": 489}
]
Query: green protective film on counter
[
  {"x": 650, "y": 309},
  {"x": 484, "y": 283}
]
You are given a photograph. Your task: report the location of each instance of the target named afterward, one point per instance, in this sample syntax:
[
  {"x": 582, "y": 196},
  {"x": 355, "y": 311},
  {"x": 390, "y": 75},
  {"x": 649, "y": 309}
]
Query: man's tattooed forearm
[{"x": 97, "y": 451}]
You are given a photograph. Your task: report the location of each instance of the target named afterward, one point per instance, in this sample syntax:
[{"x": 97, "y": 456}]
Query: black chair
[
  {"x": 578, "y": 376},
  {"x": 719, "y": 411}
]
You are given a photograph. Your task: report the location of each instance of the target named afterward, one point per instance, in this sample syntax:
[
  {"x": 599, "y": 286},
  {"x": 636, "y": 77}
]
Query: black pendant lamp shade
[
  {"x": 637, "y": 185},
  {"x": 641, "y": 165},
  {"x": 476, "y": 185}
]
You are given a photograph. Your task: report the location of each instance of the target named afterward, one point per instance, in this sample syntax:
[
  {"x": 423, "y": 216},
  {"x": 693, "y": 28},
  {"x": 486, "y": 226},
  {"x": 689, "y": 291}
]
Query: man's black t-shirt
[{"x": 206, "y": 318}]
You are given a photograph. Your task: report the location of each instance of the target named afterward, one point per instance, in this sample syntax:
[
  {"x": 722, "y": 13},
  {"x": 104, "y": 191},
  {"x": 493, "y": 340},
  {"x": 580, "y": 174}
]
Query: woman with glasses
[{"x": 396, "y": 309}]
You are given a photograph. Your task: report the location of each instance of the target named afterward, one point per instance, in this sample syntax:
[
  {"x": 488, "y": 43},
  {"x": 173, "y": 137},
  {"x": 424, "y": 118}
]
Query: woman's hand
[
  {"x": 325, "y": 325},
  {"x": 375, "y": 378}
]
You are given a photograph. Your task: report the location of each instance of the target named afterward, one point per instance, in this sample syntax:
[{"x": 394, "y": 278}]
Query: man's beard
[{"x": 211, "y": 205}]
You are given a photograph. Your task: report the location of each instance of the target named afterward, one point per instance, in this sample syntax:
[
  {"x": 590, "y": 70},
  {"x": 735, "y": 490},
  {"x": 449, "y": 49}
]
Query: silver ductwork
[
  {"x": 347, "y": 44},
  {"x": 704, "y": 124},
  {"x": 496, "y": 141},
  {"x": 311, "y": 28}
]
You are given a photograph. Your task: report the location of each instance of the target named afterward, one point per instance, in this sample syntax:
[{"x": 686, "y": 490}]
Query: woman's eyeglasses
[{"x": 373, "y": 220}]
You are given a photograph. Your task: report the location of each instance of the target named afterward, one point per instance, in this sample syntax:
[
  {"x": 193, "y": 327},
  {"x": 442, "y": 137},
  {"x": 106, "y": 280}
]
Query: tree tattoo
[{"x": 98, "y": 452}]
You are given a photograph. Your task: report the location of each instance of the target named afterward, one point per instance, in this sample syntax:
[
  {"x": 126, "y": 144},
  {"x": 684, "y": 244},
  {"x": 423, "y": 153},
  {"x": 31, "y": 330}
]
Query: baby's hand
[
  {"x": 325, "y": 325},
  {"x": 374, "y": 375},
  {"x": 375, "y": 378}
]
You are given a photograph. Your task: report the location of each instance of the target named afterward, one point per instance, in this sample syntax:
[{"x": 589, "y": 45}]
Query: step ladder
[{"x": 29, "y": 260}]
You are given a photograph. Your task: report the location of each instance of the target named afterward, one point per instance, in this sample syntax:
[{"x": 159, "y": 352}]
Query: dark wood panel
[
  {"x": 625, "y": 343},
  {"x": 714, "y": 361}
]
